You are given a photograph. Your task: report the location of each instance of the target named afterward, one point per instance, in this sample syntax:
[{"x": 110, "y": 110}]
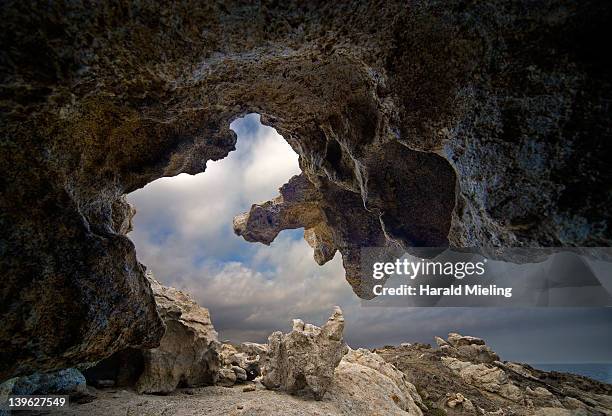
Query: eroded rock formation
[
  {"x": 379, "y": 387},
  {"x": 187, "y": 354},
  {"x": 467, "y": 348},
  {"x": 450, "y": 380},
  {"x": 422, "y": 123},
  {"x": 305, "y": 357},
  {"x": 243, "y": 362}
]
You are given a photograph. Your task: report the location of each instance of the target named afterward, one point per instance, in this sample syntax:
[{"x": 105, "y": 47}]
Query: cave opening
[{"x": 183, "y": 234}]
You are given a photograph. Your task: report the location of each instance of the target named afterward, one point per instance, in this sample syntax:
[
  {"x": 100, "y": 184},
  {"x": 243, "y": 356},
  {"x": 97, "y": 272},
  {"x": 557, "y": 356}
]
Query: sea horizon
[{"x": 600, "y": 371}]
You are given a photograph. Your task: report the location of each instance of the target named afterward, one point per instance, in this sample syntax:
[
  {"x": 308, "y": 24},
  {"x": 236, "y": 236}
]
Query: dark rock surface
[
  {"x": 122, "y": 369},
  {"x": 421, "y": 123},
  {"x": 65, "y": 381}
]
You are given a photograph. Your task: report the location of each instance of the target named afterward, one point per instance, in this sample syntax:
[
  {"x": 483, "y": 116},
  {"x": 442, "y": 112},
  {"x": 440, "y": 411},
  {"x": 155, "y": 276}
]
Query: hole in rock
[{"x": 183, "y": 233}]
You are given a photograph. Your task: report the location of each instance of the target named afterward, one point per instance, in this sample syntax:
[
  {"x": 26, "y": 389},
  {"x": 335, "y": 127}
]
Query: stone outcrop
[
  {"x": 244, "y": 362},
  {"x": 471, "y": 359},
  {"x": 479, "y": 124},
  {"x": 412, "y": 380},
  {"x": 305, "y": 357},
  {"x": 187, "y": 354},
  {"x": 467, "y": 348},
  {"x": 376, "y": 386},
  {"x": 453, "y": 383},
  {"x": 486, "y": 377},
  {"x": 459, "y": 400}
]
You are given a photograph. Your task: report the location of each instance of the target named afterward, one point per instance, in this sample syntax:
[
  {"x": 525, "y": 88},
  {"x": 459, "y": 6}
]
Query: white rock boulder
[{"x": 305, "y": 357}]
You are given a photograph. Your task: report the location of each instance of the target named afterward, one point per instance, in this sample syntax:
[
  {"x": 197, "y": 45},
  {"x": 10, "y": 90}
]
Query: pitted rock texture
[
  {"x": 468, "y": 348},
  {"x": 188, "y": 352},
  {"x": 299, "y": 205},
  {"x": 305, "y": 357},
  {"x": 486, "y": 377},
  {"x": 385, "y": 389},
  {"x": 238, "y": 366},
  {"x": 419, "y": 123}
]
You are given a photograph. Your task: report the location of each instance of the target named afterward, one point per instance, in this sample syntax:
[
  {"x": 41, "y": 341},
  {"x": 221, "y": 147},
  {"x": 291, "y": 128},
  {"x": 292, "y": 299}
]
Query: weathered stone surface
[
  {"x": 466, "y": 348},
  {"x": 187, "y": 354},
  {"x": 481, "y": 124},
  {"x": 375, "y": 385},
  {"x": 68, "y": 382},
  {"x": 459, "y": 400},
  {"x": 441, "y": 342},
  {"x": 244, "y": 360},
  {"x": 458, "y": 340},
  {"x": 253, "y": 349},
  {"x": 240, "y": 372},
  {"x": 364, "y": 384},
  {"x": 62, "y": 382},
  {"x": 454, "y": 385},
  {"x": 227, "y": 377},
  {"x": 305, "y": 357},
  {"x": 486, "y": 377},
  {"x": 299, "y": 205}
]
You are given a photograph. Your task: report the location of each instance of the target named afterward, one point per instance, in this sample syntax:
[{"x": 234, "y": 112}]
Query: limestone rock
[
  {"x": 249, "y": 387},
  {"x": 466, "y": 348},
  {"x": 241, "y": 374},
  {"x": 458, "y": 340},
  {"x": 375, "y": 384},
  {"x": 401, "y": 116},
  {"x": 477, "y": 353},
  {"x": 245, "y": 363},
  {"x": 539, "y": 392},
  {"x": 297, "y": 206},
  {"x": 519, "y": 369},
  {"x": 229, "y": 355},
  {"x": 459, "y": 400},
  {"x": 440, "y": 342},
  {"x": 486, "y": 377},
  {"x": 68, "y": 382},
  {"x": 305, "y": 357},
  {"x": 253, "y": 349},
  {"x": 187, "y": 353},
  {"x": 227, "y": 377}
]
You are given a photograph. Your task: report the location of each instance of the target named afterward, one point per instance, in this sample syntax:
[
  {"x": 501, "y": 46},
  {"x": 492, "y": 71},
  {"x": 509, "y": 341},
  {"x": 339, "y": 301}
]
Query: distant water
[{"x": 596, "y": 371}]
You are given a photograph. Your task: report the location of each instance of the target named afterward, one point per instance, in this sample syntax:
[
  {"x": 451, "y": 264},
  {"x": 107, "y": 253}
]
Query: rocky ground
[
  {"x": 308, "y": 371},
  {"x": 361, "y": 388},
  {"x": 457, "y": 384}
]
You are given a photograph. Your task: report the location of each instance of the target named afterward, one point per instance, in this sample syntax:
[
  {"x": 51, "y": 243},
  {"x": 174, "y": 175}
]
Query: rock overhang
[{"x": 503, "y": 118}]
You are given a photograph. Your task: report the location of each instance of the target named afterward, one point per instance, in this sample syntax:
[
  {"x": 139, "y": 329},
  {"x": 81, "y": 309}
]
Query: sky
[{"x": 183, "y": 234}]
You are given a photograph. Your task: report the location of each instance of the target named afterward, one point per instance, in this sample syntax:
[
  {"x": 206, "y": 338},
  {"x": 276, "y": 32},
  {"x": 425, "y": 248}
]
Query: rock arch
[{"x": 501, "y": 109}]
